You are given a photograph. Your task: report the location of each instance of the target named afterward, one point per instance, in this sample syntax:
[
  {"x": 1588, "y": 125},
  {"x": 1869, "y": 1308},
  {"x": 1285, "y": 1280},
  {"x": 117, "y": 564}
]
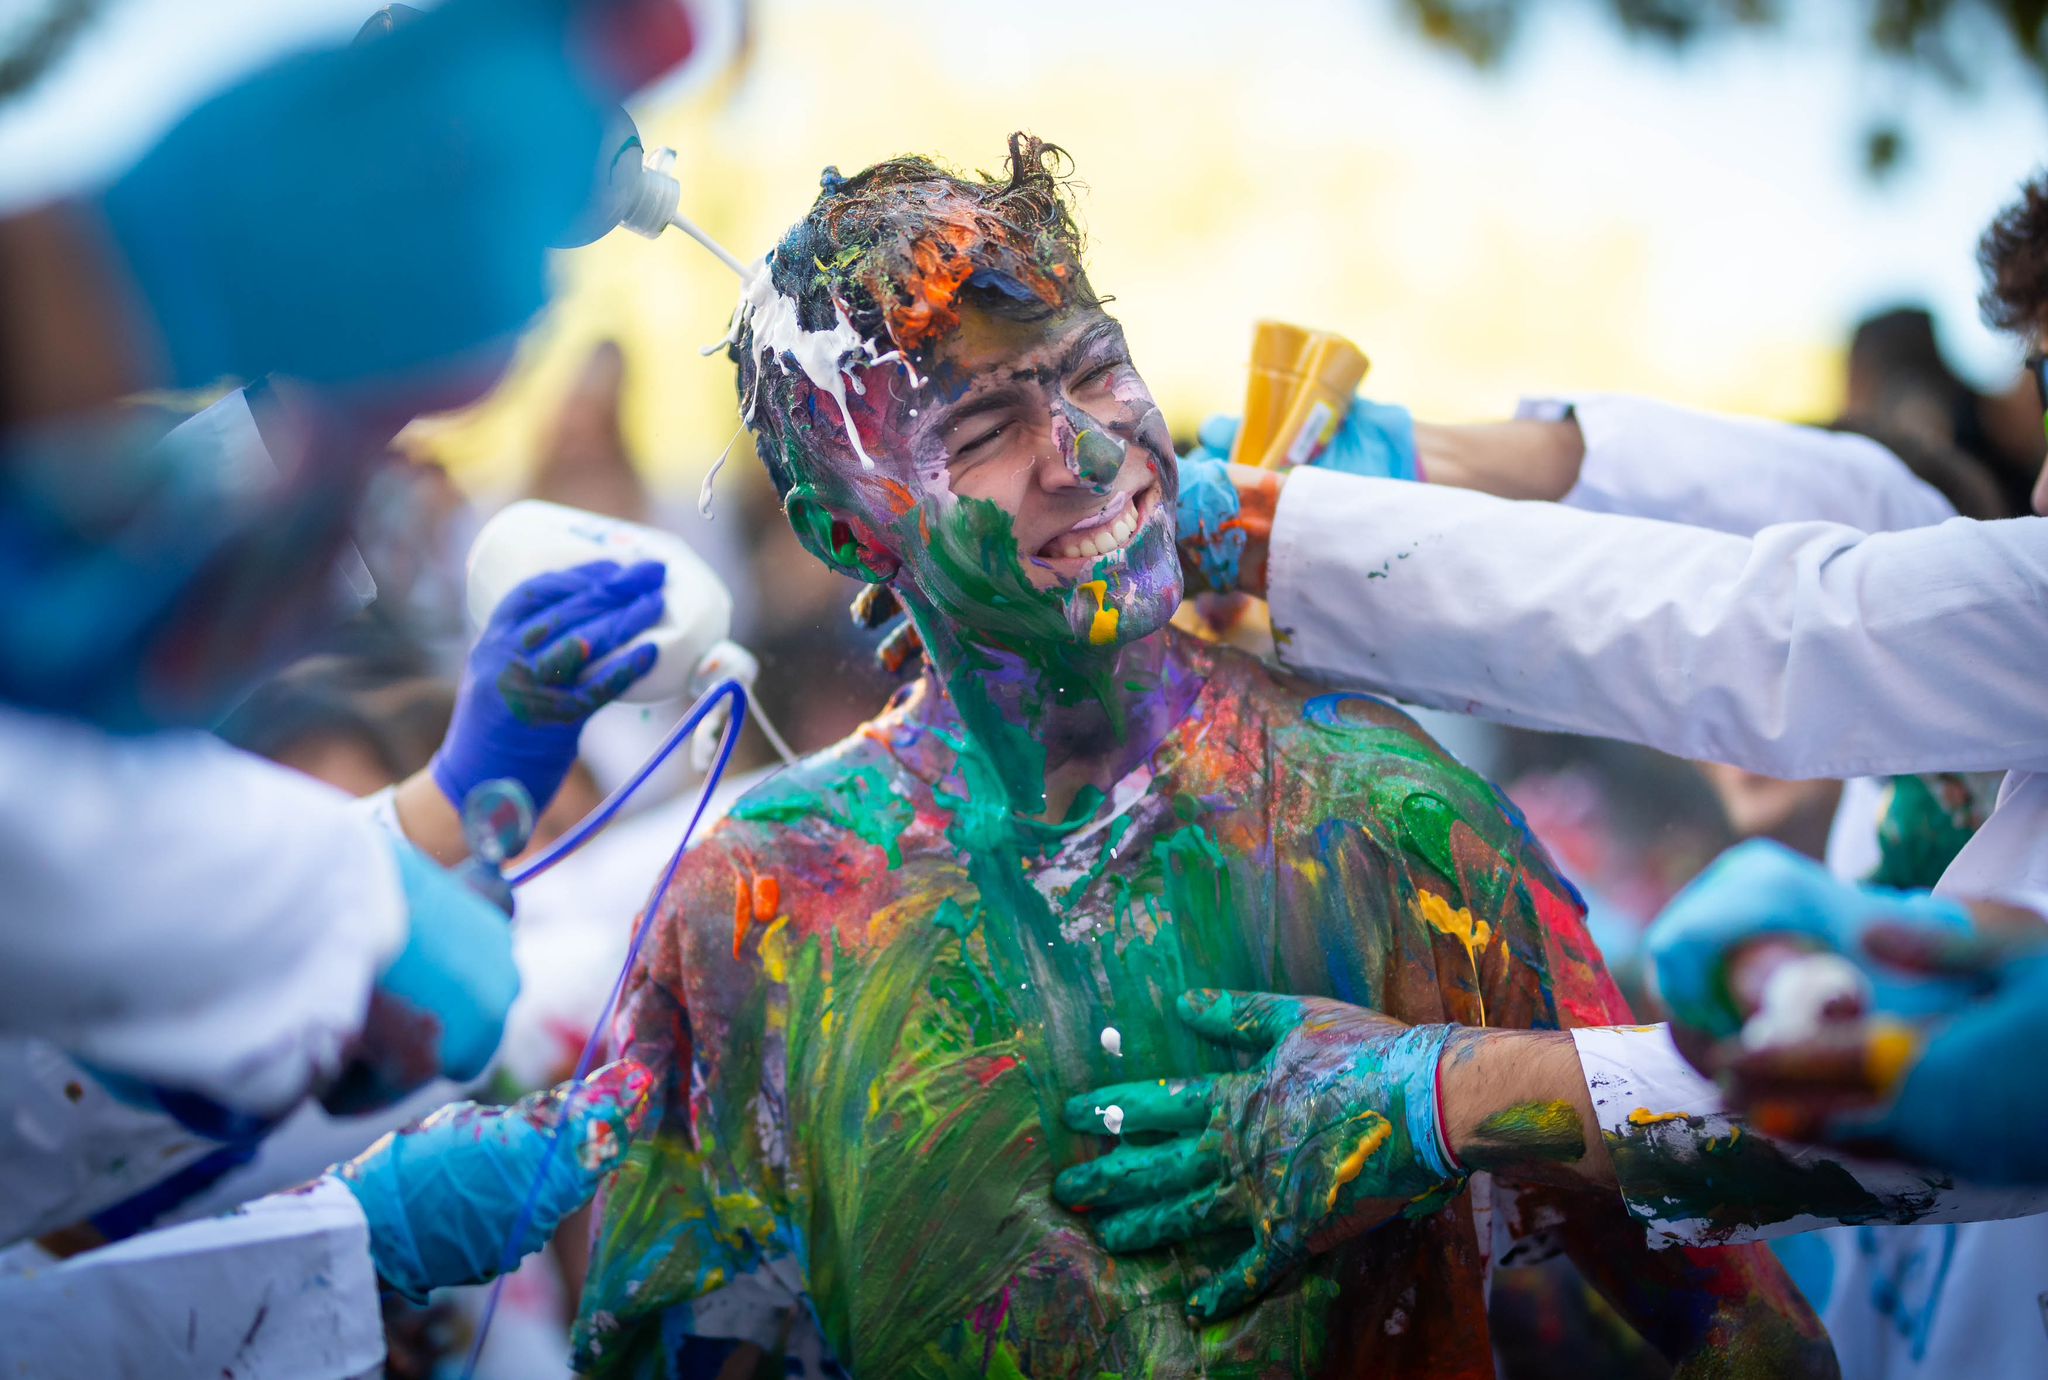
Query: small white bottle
[{"x": 531, "y": 537}]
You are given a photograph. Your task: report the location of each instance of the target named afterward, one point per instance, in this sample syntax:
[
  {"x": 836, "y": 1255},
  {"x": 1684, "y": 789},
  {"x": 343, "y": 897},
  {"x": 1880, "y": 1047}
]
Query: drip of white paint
[
  {"x": 704, "y": 493},
  {"x": 1113, "y": 1041},
  {"x": 1112, "y": 1117}
]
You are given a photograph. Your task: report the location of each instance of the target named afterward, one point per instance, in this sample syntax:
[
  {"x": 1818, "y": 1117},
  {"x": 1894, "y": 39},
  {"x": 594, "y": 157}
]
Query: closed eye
[{"x": 981, "y": 440}]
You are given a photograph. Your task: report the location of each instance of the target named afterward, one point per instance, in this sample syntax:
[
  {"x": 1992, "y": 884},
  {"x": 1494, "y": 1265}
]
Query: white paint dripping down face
[{"x": 826, "y": 357}]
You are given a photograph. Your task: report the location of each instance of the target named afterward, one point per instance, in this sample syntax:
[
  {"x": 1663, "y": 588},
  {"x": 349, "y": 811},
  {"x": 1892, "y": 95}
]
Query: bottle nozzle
[{"x": 651, "y": 202}]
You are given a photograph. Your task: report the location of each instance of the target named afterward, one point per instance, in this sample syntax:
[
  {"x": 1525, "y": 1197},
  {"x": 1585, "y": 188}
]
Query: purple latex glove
[{"x": 549, "y": 658}]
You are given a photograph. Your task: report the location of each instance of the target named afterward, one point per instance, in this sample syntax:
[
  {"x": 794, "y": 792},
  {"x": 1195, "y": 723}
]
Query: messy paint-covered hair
[
  {"x": 900, "y": 247},
  {"x": 2014, "y": 257}
]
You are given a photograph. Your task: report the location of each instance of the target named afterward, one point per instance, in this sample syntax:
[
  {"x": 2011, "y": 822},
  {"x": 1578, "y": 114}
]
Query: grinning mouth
[{"x": 1109, "y": 529}]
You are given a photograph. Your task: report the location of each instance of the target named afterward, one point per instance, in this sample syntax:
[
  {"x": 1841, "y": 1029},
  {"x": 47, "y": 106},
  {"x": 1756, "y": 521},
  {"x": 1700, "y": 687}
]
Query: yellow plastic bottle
[
  {"x": 1331, "y": 373},
  {"x": 1277, "y": 351}
]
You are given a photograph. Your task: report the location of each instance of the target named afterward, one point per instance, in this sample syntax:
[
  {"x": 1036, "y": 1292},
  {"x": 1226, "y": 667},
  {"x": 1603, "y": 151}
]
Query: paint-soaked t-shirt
[{"x": 868, "y": 995}]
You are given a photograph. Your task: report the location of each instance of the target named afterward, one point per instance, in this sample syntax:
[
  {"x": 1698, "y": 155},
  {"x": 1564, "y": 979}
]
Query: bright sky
[{"x": 1597, "y": 215}]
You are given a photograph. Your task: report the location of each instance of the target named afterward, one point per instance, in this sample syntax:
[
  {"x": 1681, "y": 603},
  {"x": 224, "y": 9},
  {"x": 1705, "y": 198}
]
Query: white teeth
[{"x": 1100, "y": 542}]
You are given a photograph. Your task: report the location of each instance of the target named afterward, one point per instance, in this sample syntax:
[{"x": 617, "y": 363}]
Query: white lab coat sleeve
[
  {"x": 282, "y": 1289},
  {"x": 185, "y": 913},
  {"x": 1680, "y": 1158},
  {"x": 1735, "y": 474},
  {"x": 1811, "y": 649}
]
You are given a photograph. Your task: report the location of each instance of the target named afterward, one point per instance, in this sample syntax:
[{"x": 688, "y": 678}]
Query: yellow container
[
  {"x": 1331, "y": 372},
  {"x": 1277, "y": 354}
]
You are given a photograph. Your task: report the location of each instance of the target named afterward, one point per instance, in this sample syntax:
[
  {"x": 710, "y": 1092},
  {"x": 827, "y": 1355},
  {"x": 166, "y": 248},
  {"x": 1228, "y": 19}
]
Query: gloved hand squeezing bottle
[{"x": 550, "y": 657}]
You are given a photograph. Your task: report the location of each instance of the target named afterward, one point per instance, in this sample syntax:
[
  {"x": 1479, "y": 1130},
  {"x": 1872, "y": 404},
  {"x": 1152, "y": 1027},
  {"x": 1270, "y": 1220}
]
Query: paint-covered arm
[
  {"x": 693, "y": 1238},
  {"x": 1700, "y": 643},
  {"x": 1695, "y": 1173}
]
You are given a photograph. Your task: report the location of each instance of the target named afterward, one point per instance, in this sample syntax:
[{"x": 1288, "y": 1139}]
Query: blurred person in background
[{"x": 145, "y": 582}]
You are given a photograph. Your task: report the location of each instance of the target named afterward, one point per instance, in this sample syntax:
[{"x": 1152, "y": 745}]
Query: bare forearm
[
  {"x": 1515, "y": 1104},
  {"x": 1522, "y": 459},
  {"x": 428, "y": 820}
]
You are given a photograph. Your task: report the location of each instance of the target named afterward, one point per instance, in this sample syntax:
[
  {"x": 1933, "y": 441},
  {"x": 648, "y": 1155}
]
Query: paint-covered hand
[
  {"x": 1953, "y": 1091},
  {"x": 550, "y": 657},
  {"x": 1210, "y": 535},
  {"x": 1762, "y": 891},
  {"x": 1330, "y": 1134},
  {"x": 455, "y": 1198}
]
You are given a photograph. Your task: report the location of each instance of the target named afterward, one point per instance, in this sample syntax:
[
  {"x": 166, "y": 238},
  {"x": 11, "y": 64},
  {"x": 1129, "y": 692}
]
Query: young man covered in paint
[{"x": 880, "y": 995}]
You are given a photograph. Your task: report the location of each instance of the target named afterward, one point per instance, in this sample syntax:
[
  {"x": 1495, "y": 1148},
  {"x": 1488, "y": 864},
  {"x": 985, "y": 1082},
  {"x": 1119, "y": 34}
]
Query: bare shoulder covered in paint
[
  {"x": 807, "y": 845},
  {"x": 1464, "y": 846},
  {"x": 1371, "y": 762}
]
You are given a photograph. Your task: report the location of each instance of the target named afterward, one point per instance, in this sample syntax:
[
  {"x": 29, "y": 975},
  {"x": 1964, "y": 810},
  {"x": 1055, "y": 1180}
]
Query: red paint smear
[
  {"x": 767, "y": 899},
  {"x": 941, "y": 264},
  {"x": 743, "y": 916},
  {"x": 1584, "y": 990},
  {"x": 995, "y": 1069}
]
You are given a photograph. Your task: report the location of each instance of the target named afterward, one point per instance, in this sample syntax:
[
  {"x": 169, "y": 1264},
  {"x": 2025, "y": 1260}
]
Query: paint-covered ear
[{"x": 830, "y": 537}]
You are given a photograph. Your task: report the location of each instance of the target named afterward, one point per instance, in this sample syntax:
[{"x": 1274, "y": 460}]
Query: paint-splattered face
[{"x": 1040, "y": 475}]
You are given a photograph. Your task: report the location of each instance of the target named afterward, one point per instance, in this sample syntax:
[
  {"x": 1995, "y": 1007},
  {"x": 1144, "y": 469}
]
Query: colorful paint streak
[{"x": 886, "y": 1109}]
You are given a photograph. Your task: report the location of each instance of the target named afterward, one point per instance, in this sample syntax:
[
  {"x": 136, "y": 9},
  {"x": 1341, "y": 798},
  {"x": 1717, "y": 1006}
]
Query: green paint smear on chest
[
  {"x": 974, "y": 564},
  {"x": 862, "y": 802}
]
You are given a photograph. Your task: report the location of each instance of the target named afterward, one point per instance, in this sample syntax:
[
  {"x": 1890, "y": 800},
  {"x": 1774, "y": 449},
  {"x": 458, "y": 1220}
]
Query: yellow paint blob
[
  {"x": 1353, "y": 1164},
  {"x": 1889, "y": 1053},
  {"x": 1643, "y": 1116},
  {"x": 1460, "y": 924},
  {"x": 775, "y": 950},
  {"x": 1103, "y": 629}
]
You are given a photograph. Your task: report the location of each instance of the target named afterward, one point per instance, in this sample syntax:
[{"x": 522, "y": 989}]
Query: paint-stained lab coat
[
  {"x": 1821, "y": 613},
  {"x": 281, "y": 1288},
  {"x": 185, "y": 913}
]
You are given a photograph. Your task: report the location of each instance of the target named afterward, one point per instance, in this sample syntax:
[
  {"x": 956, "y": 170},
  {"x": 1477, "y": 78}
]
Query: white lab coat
[
  {"x": 283, "y": 1287},
  {"x": 1809, "y": 649},
  {"x": 179, "y": 911},
  {"x": 186, "y": 913},
  {"x": 1801, "y": 649}
]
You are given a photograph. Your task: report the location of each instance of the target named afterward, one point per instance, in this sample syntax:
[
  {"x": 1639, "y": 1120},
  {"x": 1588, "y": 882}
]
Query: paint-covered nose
[{"x": 1098, "y": 456}]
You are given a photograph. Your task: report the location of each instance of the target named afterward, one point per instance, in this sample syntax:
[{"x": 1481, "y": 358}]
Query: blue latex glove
[
  {"x": 444, "y": 1198},
  {"x": 1374, "y": 439},
  {"x": 1973, "y": 1103},
  {"x": 362, "y": 212},
  {"x": 549, "y": 658},
  {"x": 1761, "y": 889},
  {"x": 439, "y": 1009},
  {"x": 1206, "y": 508}
]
